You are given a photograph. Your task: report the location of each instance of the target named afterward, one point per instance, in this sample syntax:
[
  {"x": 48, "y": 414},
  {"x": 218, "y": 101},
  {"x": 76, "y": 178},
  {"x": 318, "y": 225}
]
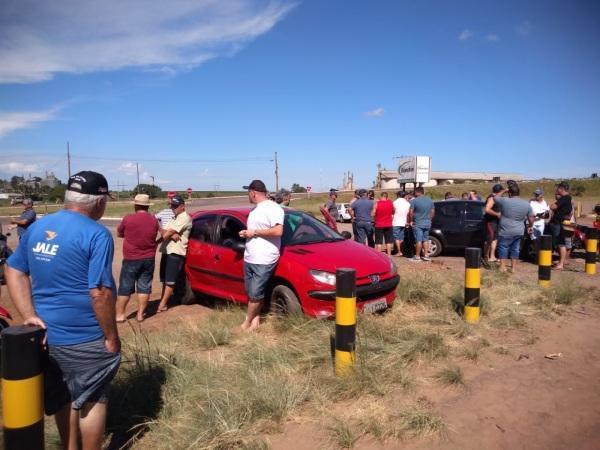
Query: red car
[{"x": 305, "y": 276}]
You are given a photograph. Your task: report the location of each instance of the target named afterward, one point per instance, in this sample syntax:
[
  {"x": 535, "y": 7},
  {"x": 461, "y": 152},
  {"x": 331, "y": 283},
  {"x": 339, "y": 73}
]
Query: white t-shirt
[
  {"x": 401, "y": 207},
  {"x": 538, "y": 208},
  {"x": 264, "y": 250}
]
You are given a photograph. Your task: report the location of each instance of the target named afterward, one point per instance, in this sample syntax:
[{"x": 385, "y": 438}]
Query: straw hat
[{"x": 142, "y": 200}]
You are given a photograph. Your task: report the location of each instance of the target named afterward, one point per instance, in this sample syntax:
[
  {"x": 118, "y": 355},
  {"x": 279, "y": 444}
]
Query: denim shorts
[
  {"x": 256, "y": 278},
  {"x": 421, "y": 233},
  {"x": 560, "y": 238},
  {"x": 509, "y": 247},
  {"x": 171, "y": 267},
  {"x": 136, "y": 272},
  {"x": 78, "y": 373},
  {"x": 398, "y": 233}
]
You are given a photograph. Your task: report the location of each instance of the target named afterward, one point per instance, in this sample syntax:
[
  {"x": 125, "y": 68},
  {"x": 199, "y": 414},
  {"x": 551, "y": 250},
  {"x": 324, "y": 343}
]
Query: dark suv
[{"x": 457, "y": 224}]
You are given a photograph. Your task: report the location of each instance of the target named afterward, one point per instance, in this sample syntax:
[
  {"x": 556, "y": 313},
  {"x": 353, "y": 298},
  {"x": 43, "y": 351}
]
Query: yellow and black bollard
[
  {"x": 23, "y": 388},
  {"x": 472, "y": 284},
  {"x": 345, "y": 321},
  {"x": 591, "y": 249},
  {"x": 544, "y": 260}
]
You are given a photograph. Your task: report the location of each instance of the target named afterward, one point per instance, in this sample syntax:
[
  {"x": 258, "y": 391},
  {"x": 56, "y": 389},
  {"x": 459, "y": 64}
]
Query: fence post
[
  {"x": 544, "y": 260},
  {"x": 23, "y": 388},
  {"x": 345, "y": 321},
  {"x": 591, "y": 248},
  {"x": 472, "y": 284}
]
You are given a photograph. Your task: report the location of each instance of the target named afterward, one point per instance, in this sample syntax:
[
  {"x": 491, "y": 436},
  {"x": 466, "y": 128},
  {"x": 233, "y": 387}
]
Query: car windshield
[{"x": 300, "y": 228}]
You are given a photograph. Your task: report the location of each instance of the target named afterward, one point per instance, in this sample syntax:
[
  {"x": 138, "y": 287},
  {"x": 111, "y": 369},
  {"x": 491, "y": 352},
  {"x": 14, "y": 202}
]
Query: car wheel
[
  {"x": 189, "y": 297},
  {"x": 284, "y": 300},
  {"x": 435, "y": 246}
]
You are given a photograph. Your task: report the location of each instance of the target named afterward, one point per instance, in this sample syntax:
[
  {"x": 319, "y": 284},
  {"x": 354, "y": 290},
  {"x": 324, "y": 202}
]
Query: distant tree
[
  {"x": 296, "y": 188},
  {"x": 57, "y": 193},
  {"x": 152, "y": 191},
  {"x": 16, "y": 183}
]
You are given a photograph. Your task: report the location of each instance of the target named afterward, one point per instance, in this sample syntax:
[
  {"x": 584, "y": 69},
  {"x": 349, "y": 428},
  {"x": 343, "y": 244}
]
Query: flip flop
[
  {"x": 163, "y": 309},
  {"x": 122, "y": 321}
]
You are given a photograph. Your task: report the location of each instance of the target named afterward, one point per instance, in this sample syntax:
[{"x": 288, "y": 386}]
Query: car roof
[
  {"x": 241, "y": 212},
  {"x": 457, "y": 200}
]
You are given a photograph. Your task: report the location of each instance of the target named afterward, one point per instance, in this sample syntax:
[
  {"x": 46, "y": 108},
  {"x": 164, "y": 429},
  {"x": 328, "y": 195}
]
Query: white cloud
[
  {"x": 492, "y": 37},
  {"x": 41, "y": 39},
  {"x": 465, "y": 35},
  {"x": 11, "y": 121},
  {"x": 524, "y": 28},
  {"x": 128, "y": 167},
  {"x": 18, "y": 167},
  {"x": 377, "y": 112}
]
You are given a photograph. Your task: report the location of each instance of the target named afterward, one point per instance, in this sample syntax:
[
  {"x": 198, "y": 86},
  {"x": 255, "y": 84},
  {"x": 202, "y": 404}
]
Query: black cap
[
  {"x": 564, "y": 185},
  {"x": 497, "y": 188},
  {"x": 177, "y": 200},
  {"x": 362, "y": 192},
  {"x": 256, "y": 185},
  {"x": 88, "y": 182}
]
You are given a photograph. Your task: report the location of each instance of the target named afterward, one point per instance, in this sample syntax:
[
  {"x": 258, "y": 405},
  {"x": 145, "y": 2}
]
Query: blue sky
[{"x": 202, "y": 93}]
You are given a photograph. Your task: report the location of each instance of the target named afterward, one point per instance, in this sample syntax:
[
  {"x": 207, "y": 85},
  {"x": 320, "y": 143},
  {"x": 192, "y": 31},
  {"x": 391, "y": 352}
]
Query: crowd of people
[
  {"x": 60, "y": 279},
  {"x": 60, "y": 275}
]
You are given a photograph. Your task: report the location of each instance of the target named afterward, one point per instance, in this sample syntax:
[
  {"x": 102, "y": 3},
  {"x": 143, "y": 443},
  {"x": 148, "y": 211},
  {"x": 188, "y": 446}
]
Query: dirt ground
[{"x": 511, "y": 401}]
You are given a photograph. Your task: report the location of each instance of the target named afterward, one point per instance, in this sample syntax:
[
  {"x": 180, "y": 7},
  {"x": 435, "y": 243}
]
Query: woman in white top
[{"x": 541, "y": 211}]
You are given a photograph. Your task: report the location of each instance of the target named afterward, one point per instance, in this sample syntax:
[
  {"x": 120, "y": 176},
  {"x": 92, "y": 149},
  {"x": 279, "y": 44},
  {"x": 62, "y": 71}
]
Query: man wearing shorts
[
  {"x": 263, "y": 240},
  {"x": 174, "y": 248},
  {"x": 562, "y": 211},
  {"x": 401, "y": 208},
  {"x": 513, "y": 212},
  {"x": 71, "y": 294},
  {"x": 383, "y": 212},
  {"x": 138, "y": 231},
  {"x": 421, "y": 212}
]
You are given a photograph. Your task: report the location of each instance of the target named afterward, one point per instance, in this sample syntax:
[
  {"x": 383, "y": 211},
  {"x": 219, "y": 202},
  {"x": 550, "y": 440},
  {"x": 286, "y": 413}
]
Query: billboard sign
[{"x": 414, "y": 169}]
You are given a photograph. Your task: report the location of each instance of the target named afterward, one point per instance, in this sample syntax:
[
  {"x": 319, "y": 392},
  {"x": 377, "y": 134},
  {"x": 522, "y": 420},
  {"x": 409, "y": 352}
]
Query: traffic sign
[
  {"x": 308, "y": 188},
  {"x": 189, "y": 190}
]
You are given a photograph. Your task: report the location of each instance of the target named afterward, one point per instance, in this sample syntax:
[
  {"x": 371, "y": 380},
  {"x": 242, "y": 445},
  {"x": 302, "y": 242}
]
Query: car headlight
[
  {"x": 323, "y": 277},
  {"x": 393, "y": 268}
]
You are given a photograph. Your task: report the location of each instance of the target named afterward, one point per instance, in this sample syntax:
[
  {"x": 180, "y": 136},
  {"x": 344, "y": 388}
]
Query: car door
[
  {"x": 228, "y": 259},
  {"x": 473, "y": 224},
  {"x": 448, "y": 219},
  {"x": 199, "y": 259}
]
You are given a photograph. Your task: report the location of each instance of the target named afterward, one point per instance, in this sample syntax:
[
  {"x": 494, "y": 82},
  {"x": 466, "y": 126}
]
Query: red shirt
[
  {"x": 384, "y": 213},
  {"x": 139, "y": 230}
]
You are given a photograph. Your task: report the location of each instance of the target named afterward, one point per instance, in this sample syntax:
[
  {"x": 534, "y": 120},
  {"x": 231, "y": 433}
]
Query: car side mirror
[{"x": 346, "y": 235}]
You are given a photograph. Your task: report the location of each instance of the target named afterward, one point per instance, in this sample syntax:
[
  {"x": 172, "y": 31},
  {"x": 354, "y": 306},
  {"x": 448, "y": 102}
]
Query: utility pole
[
  {"x": 119, "y": 188},
  {"x": 152, "y": 176},
  {"x": 68, "y": 159},
  {"x": 137, "y": 169},
  {"x": 276, "y": 173}
]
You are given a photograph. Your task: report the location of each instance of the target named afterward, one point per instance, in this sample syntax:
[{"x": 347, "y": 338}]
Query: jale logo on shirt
[{"x": 45, "y": 248}]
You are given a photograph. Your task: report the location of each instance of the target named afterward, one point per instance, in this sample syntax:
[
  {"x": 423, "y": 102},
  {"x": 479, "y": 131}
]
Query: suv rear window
[{"x": 449, "y": 208}]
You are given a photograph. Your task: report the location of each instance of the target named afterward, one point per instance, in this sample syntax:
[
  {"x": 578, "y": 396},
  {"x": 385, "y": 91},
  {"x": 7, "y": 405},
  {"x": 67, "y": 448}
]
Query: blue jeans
[
  {"x": 509, "y": 247},
  {"x": 398, "y": 233},
  {"x": 421, "y": 233},
  {"x": 256, "y": 278},
  {"x": 140, "y": 272},
  {"x": 364, "y": 230}
]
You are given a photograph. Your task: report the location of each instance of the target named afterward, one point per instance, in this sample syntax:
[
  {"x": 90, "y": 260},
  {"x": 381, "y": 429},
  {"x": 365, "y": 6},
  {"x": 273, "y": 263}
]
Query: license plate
[{"x": 374, "y": 306}]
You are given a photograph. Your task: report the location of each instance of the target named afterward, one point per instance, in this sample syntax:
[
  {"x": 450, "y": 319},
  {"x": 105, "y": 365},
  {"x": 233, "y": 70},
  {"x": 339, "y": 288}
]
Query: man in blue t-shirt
[
  {"x": 71, "y": 294},
  {"x": 26, "y": 218},
  {"x": 420, "y": 214},
  {"x": 360, "y": 212}
]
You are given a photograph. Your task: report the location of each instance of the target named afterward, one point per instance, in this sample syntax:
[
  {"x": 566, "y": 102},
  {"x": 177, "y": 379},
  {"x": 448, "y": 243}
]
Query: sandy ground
[{"x": 509, "y": 403}]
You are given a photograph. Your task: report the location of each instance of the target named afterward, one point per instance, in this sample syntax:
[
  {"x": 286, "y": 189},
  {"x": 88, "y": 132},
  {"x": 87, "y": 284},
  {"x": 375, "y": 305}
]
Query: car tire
[
  {"x": 189, "y": 296},
  {"x": 435, "y": 246},
  {"x": 284, "y": 300}
]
